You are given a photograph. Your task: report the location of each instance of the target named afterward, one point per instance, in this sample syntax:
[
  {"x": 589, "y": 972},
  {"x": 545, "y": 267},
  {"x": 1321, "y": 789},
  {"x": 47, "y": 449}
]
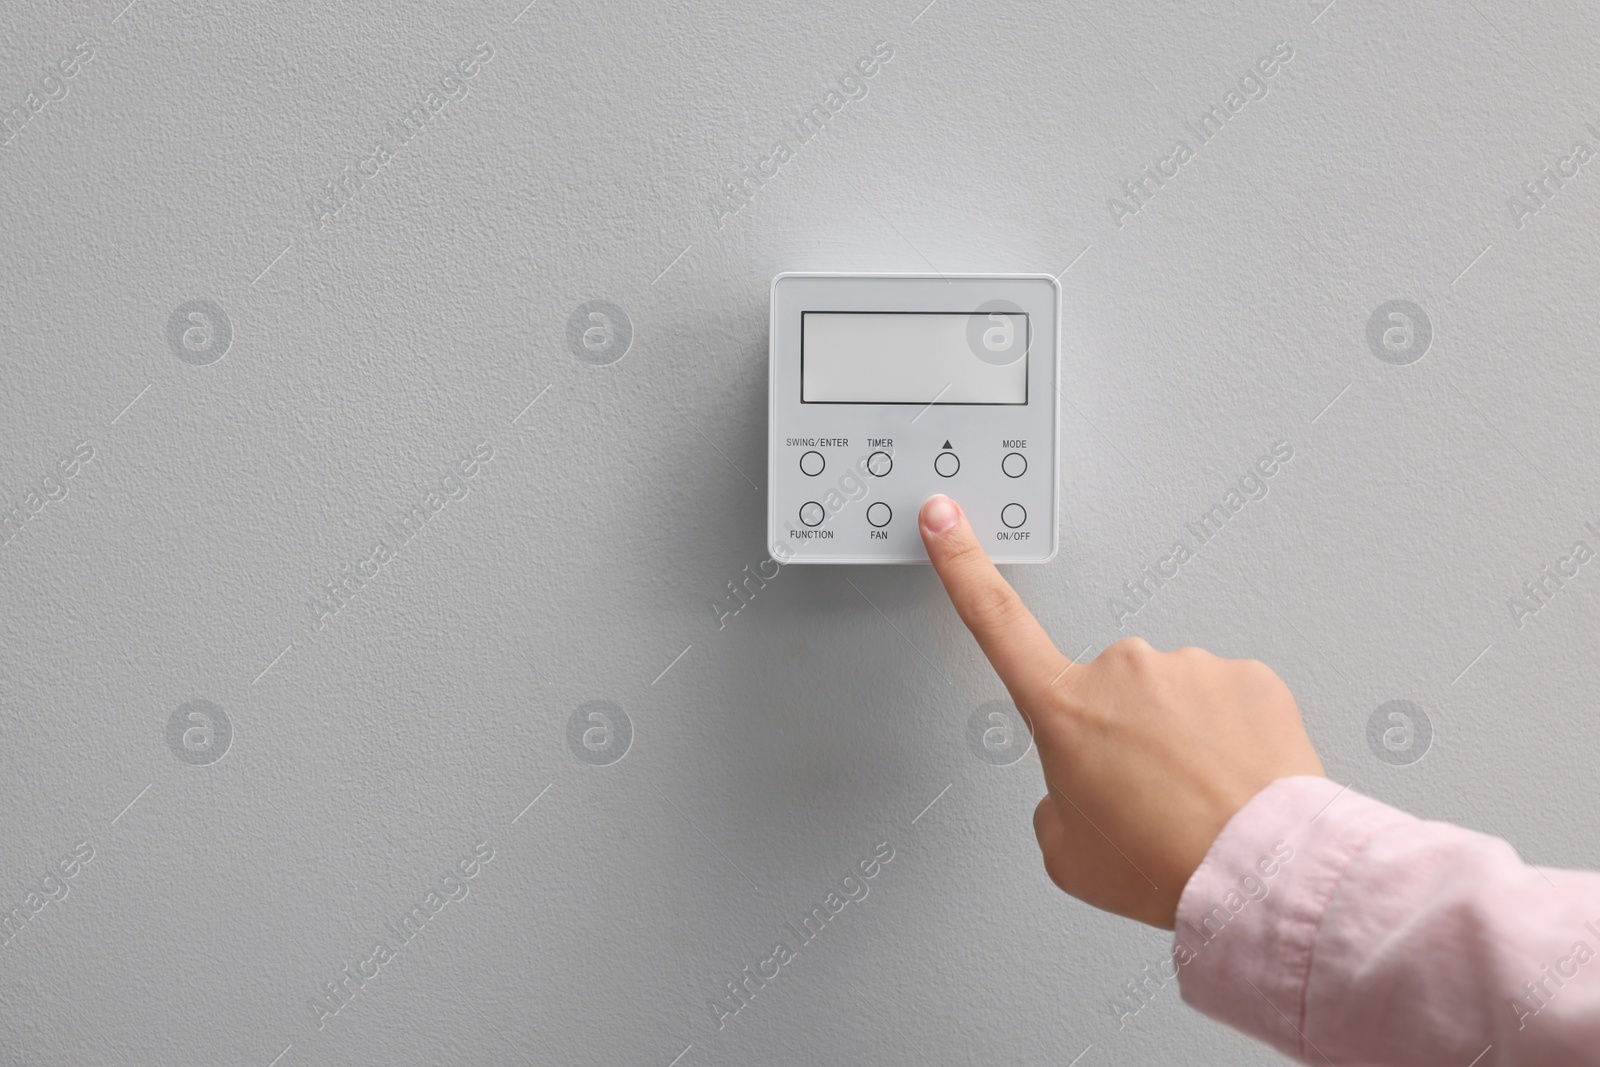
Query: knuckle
[
  {"x": 1128, "y": 652},
  {"x": 1057, "y": 875},
  {"x": 1058, "y": 866},
  {"x": 1258, "y": 676},
  {"x": 1046, "y": 832},
  {"x": 1040, "y": 818},
  {"x": 992, "y": 606},
  {"x": 963, "y": 553}
]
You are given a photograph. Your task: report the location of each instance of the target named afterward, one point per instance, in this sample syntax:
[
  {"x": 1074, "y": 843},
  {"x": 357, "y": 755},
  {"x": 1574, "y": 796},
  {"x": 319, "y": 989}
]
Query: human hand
[{"x": 1146, "y": 754}]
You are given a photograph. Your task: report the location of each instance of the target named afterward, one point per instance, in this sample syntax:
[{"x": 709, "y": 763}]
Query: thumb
[{"x": 1017, "y": 647}]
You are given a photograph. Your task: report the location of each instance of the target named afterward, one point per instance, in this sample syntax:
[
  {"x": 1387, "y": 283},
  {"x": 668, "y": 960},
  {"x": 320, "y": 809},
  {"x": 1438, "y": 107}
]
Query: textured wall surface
[{"x": 346, "y": 579}]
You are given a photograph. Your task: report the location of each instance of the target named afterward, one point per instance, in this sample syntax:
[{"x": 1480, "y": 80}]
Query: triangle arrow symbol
[{"x": 946, "y": 445}]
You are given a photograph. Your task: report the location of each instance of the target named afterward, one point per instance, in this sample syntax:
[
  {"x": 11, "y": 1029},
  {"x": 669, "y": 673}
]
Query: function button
[
  {"x": 812, "y": 463},
  {"x": 946, "y": 464},
  {"x": 879, "y": 464},
  {"x": 1015, "y": 464},
  {"x": 1013, "y": 515},
  {"x": 879, "y": 514},
  {"x": 812, "y": 513}
]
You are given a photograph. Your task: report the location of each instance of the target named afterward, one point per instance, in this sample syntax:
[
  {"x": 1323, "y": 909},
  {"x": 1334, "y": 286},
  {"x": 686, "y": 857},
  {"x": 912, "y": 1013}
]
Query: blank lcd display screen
[{"x": 855, "y": 357}]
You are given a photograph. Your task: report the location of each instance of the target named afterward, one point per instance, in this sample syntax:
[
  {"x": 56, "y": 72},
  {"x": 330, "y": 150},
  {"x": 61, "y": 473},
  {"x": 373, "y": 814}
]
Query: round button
[
  {"x": 879, "y": 514},
  {"x": 879, "y": 464},
  {"x": 812, "y": 513},
  {"x": 946, "y": 463},
  {"x": 1015, "y": 464},
  {"x": 1013, "y": 515},
  {"x": 812, "y": 463}
]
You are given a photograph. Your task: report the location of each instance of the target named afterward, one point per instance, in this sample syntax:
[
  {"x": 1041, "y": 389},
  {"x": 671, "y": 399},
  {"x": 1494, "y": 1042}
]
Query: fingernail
[{"x": 939, "y": 513}]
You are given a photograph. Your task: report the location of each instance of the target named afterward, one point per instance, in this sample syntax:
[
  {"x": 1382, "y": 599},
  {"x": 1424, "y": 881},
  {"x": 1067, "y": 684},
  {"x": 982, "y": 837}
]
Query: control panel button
[
  {"x": 879, "y": 514},
  {"x": 946, "y": 464},
  {"x": 812, "y": 513},
  {"x": 812, "y": 463},
  {"x": 1013, "y": 515},
  {"x": 1015, "y": 464},
  {"x": 879, "y": 464}
]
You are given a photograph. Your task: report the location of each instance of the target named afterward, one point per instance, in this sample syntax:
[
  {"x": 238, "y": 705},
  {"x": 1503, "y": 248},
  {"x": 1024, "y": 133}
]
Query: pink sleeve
[{"x": 1342, "y": 931}]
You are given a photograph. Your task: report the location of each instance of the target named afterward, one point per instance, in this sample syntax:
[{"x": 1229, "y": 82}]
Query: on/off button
[{"x": 1013, "y": 515}]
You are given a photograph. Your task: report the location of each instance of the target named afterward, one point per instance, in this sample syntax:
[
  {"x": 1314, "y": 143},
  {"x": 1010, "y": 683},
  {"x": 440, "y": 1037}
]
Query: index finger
[{"x": 1017, "y": 647}]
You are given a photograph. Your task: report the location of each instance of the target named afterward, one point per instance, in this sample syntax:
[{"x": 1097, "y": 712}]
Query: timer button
[
  {"x": 879, "y": 464},
  {"x": 812, "y": 463},
  {"x": 812, "y": 513},
  {"x": 879, "y": 514},
  {"x": 1015, "y": 464},
  {"x": 1013, "y": 515},
  {"x": 946, "y": 464}
]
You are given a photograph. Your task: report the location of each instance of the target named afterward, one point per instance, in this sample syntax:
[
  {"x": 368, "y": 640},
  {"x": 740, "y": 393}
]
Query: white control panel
[{"x": 888, "y": 388}]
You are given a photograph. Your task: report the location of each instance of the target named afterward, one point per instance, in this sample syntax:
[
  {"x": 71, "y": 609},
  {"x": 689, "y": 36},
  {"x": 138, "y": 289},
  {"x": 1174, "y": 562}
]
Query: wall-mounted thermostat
[{"x": 888, "y": 388}]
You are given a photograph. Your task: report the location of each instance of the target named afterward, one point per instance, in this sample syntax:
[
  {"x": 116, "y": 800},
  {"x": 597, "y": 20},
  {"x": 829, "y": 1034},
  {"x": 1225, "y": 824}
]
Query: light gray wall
[{"x": 371, "y": 749}]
